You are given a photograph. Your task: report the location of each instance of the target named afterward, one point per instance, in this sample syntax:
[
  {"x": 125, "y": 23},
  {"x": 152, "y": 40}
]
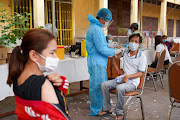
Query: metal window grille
[
  {"x": 155, "y": 2},
  {"x": 178, "y": 28},
  {"x": 170, "y": 27},
  {"x": 22, "y": 6},
  {"x": 63, "y": 20}
]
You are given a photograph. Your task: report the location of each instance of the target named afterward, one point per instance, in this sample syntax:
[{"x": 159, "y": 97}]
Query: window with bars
[
  {"x": 171, "y": 5},
  {"x": 170, "y": 27},
  {"x": 178, "y": 28},
  {"x": 150, "y": 24},
  {"x": 63, "y": 20},
  {"x": 155, "y": 2},
  {"x": 22, "y": 6}
]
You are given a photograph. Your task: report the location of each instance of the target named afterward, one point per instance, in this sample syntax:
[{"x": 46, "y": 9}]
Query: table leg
[
  {"x": 7, "y": 113},
  {"x": 81, "y": 86},
  {"x": 77, "y": 93}
]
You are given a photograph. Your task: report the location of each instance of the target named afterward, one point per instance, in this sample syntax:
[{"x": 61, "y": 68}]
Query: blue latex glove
[{"x": 126, "y": 45}]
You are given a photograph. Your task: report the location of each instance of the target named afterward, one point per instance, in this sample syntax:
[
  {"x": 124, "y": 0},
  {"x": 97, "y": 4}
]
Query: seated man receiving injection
[{"x": 134, "y": 65}]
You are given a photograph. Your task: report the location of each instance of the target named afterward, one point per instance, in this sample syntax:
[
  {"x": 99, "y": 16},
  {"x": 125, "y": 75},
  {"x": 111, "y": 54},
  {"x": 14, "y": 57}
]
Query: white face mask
[
  {"x": 106, "y": 24},
  {"x": 50, "y": 64},
  {"x": 109, "y": 41},
  {"x": 133, "y": 46}
]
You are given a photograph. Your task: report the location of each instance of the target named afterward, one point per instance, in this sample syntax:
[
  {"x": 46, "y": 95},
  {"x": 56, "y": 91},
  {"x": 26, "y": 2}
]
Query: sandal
[
  {"x": 119, "y": 117},
  {"x": 101, "y": 113}
]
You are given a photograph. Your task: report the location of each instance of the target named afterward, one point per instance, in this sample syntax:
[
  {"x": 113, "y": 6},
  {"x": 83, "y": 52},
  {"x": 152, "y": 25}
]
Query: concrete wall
[
  {"x": 150, "y": 10},
  {"x": 175, "y": 15},
  {"x": 6, "y": 5},
  {"x": 81, "y": 9}
]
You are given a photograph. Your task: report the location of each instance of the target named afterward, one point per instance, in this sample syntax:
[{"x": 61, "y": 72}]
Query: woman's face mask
[
  {"x": 164, "y": 40},
  {"x": 50, "y": 64},
  {"x": 133, "y": 46},
  {"x": 106, "y": 24}
]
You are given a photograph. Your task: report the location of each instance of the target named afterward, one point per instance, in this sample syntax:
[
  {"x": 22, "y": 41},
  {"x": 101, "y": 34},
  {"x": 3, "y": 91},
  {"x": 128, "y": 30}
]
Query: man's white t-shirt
[
  {"x": 134, "y": 64},
  {"x": 160, "y": 48}
]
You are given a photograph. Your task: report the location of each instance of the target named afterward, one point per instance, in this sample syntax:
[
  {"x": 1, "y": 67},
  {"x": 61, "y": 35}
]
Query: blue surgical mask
[
  {"x": 109, "y": 41},
  {"x": 106, "y": 24},
  {"x": 164, "y": 40},
  {"x": 133, "y": 46}
]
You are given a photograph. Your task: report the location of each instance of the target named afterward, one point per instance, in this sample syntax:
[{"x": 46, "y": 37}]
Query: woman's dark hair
[
  {"x": 35, "y": 39},
  {"x": 158, "y": 40},
  {"x": 137, "y": 35},
  {"x": 97, "y": 17}
]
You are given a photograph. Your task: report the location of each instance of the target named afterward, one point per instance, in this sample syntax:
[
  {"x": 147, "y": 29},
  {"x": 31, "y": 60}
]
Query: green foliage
[
  {"x": 41, "y": 27},
  {"x": 14, "y": 26}
]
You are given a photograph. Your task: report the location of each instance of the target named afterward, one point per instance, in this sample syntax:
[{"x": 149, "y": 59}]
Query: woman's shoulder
[
  {"x": 32, "y": 82},
  {"x": 36, "y": 79},
  {"x": 160, "y": 44},
  {"x": 33, "y": 78},
  {"x": 31, "y": 88}
]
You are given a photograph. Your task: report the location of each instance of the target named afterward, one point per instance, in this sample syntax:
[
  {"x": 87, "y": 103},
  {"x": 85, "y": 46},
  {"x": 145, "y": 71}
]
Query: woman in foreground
[{"x": 33, "y": 90}]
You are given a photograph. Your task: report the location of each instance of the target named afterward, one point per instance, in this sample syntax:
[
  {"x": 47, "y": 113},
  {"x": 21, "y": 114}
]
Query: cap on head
[
  {"x": 105, "y": 14},
  {"x": 134, "y": 25}
]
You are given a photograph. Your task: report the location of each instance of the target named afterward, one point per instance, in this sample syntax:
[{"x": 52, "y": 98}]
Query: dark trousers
[{"x": 155, "y": 63}]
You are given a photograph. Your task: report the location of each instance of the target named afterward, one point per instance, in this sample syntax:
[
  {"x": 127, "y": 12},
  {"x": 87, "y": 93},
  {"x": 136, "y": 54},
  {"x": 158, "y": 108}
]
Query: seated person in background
[
  {"x": 159, "y": 47},
  {"x": 172, "y": 42},
  {"x": 111, "y": 44},
  {"x": 134, "y": 65},
  {"x": 167, "y": 43},
  {"x": 28, "y": 62},
  {"x": 132, "y": 30}
]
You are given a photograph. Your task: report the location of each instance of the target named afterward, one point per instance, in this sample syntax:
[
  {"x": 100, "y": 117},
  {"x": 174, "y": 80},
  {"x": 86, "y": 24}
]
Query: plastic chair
[
  {"x": 174, "y": 89},
  {"x": 165, "y": 68},
  {"x": 134, "y": 94},
  {"x": 177, "y": 58},
  {"x": 175, "y": 50},
  {"x": 158, "y": 70}
]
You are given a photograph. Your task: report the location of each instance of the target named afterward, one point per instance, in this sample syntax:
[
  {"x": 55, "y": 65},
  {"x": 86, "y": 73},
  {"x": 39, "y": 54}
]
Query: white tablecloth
[
  {"x": 74, "y": 69},
  {"x": 150, "y": 54},
  {"x": 5, "y": 90}
]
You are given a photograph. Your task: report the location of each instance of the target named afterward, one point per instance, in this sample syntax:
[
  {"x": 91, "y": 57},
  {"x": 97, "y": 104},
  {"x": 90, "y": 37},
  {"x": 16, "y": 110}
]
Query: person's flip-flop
[
  {"x": 119, "y": 117},
  {"x": 101, "y": 113}
]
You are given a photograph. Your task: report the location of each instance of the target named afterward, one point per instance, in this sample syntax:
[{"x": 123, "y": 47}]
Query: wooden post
[
  {"x": 134, "y": 11},
  {"x": 163, "y": 17}
]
